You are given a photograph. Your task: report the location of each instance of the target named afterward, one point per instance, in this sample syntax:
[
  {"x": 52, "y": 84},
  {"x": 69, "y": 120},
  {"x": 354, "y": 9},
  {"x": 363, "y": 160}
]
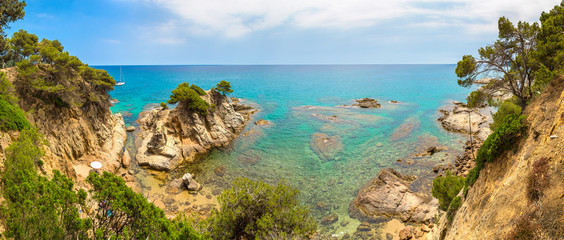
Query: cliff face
[
  {"x": 168, "y": 138},
  {"x": 75, "y": 135},
  {"x": 500, "y": 199}
]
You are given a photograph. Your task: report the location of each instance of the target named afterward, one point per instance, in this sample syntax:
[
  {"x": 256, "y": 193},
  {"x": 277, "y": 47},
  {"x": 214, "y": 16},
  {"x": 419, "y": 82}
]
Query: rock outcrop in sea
[
  {"x": 388, "y": 196},
  {"x": 466, "y": 120},
  {"x": 168, "y": 138},
  {"x": 367, "y": 103}
]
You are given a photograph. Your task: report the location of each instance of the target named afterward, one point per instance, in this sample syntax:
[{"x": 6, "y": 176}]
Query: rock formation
[
  {"x": 464, "y": 120},
  {"x": 367, "y": 103},
  {"x": 168, "y": 138},
  {"x": 388, "y": 195},
  {"x": 76, "y": 135}
]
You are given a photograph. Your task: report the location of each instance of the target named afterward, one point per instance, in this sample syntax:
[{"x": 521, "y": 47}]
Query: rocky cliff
[
  {"x": 75, "y": 135},
  {"x": 168, "y": 138},
  {"x": 523, "y": 190}
]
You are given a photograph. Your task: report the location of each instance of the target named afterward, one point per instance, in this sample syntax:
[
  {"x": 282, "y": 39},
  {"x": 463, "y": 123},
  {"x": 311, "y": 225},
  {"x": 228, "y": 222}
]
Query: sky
[{"x": 201, "y": 32}]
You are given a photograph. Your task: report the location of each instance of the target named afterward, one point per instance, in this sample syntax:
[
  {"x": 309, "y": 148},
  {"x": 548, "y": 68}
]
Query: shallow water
[{"x": 296, "y": 100}]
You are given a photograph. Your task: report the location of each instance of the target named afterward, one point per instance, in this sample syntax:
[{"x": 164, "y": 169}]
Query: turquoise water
[{"x": 285, "y": 96}]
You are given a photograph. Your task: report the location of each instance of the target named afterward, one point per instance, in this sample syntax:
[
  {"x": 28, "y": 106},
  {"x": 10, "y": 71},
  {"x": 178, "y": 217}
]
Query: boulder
[
  {"x": 407, "y": 233},
  {"x": 190, "y": 183},
  {"x": 219, "y": 171},
  {"x": 130, "y": 129},
  {"x": 261, "y": 122},
  {"x": 175, "y": 186},
  {"x": 388, "y": 195},
  {"x": 367, "y": 103},
  {"x": 125, "y": 159}
]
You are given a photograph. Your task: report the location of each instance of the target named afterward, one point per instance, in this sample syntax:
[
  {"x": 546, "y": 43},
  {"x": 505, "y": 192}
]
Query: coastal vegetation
[
  {"x": 189, "y": 98},
  {"x": 445, "y": 189},
  {"x": 224, "y": 87},
  {"x": 256, "y": 210},
  {"x": 12, "y": 117}
]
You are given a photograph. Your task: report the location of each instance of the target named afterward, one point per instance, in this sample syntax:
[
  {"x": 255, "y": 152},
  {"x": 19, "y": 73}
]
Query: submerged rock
[
  {"x": 388, "y": 195},
  {"x": 367, "y": 103},
  {"x": 330, "y": 219},
  {"x": 405, "y": 129},
  {"x": 325, "y": 146},
  {"x": 261, "y": 122}
]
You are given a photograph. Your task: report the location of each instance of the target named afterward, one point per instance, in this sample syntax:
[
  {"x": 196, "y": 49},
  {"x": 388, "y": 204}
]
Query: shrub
[
  {"x": 224, "y": 87},
  {"x": 12, "y": 117},
  {"x": 7, "y": 89},
  {"x": 189, "y": 99},
  {"x": 476, "y": 99},
  {"x": 445, "y": 188},
  {"x": 526, "y": 228},
  {"x": 198, "y": 90},
  {"x": 538, "y": 180},
  {"x": 453, "y": 207},
  {"x": 164, "y": 106},
  {"x": 500, "y": 140},
  {"x": 505, "y": 109},
  {"x": 254, "y": 210}
]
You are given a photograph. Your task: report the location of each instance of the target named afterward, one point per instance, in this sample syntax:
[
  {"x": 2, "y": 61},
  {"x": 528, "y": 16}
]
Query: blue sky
[{"x": 191, "y": 32}]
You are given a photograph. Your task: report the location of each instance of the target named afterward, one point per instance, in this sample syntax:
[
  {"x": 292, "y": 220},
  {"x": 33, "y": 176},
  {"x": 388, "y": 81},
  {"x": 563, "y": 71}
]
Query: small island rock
[{"x": 367, "y": 103}]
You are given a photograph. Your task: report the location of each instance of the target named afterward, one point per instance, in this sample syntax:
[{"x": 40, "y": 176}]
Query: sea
[{"x": 296, "y": 99}]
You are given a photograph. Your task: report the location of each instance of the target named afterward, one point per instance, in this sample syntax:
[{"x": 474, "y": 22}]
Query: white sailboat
[{"x": 121, "y": 78}]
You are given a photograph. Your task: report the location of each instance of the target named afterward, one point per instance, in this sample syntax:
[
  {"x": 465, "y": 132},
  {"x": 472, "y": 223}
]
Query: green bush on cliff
[
  {"x": 476, "y": 99},
  {"x": 7, "y": 90},
  {"x": 123, "y": 213},
  {"x": 198, "y": 89},
  {"x": 12, "y": 117},
  {"x": 36, "y": 207},
  {"x": 189, "y": 98},
  {"x": 506, "y": 108},
  {"x": 224, "y": 87},
  {"x": 445, "y": 188},
  {"x": 505, "y": 135},
  {"x": 453, "y": 207},
  {"x": 51, "y": 74},
  {"x": 254, "y": 210}
]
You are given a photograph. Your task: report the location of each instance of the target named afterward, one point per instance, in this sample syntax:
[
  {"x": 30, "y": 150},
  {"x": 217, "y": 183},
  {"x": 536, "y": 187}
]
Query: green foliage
[
  {"x": 445, "y": 188},
  {"x": 505, "y": 109},
  {"x": 189, "y": 99},
  {"x": 510, "y": 57},
  {"x": 12, "y": 117},
  {"x": 254, "y": 210},
  {"x": 453, "y": 207},
  {"x": 56, "y": 77},
  {"x": 224, "y": 87},
  {"x": 550, "y": 48},
  {"x": 198, "y": 90},
  {"x": 11, "y": 11},
  {"x": 538, "y": 180},
  {"x": 164, "y": 106},
  {"x": 36, "y": 207},
  {"x": 505, "y": 135},
  {"x": 476, "y": 99},
  {"x": 24, "y": 44},
  {"x": 7, "y": 90}
]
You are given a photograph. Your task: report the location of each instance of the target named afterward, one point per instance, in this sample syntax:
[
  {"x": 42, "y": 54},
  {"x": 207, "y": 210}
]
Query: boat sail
[{"x": 121, "y": 78}]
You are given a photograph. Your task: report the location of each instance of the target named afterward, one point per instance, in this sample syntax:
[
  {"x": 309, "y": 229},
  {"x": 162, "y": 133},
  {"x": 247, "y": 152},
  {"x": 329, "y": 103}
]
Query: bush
[
  {"x": 7, "y": 90},
  {"x": 445, "y": 188},
  {"x": 453, "y": 207},
  {"x": 189, "y": 99},
  {"x": 510, "y": 128},
  {"x": 526, "y": 228},
  {"x": 224, "y": 87},
  {"x": 505, "y": 109},
  {"x": 198, "y": 90},
  {"x": 12, "y": 117},
  {"x": 476, "y": 99},
  {"x": 254, "y": 210},
  {"x": 164, "y": 106},
  {"x": 538, "y": 180}
]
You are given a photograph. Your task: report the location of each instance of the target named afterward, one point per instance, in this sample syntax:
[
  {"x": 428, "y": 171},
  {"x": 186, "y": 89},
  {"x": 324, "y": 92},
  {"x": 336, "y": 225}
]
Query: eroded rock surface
[
  {"x": 367, "y": 103},
  {"x": 388, "y": 195},
  {"x": 465, "y": 120},
  {"x": 168, "y": 138}
]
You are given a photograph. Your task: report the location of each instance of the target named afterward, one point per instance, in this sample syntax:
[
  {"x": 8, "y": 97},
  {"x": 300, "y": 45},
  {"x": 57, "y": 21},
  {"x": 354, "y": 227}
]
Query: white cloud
[{"x": 235, "y": 18}]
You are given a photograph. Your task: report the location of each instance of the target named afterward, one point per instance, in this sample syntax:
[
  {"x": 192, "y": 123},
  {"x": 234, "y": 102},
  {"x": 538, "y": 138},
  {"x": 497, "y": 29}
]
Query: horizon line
[{"x": 296, "y": 64}]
